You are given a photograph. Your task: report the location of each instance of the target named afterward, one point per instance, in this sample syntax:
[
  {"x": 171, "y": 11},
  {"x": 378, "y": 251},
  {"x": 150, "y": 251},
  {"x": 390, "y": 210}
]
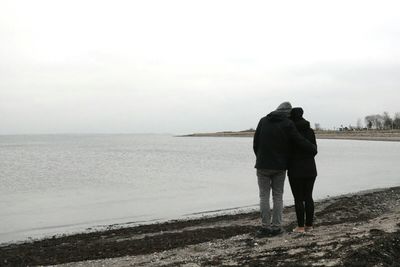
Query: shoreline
[
  {"x": 343, "y": 233},
  {"x": 370, "y": 135}
]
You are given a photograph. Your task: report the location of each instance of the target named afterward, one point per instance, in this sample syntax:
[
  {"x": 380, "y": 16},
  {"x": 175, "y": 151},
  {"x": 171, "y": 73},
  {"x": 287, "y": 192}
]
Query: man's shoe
[
  {"x": 275, "y": 232},
  {"x": 263, "y": 232}
]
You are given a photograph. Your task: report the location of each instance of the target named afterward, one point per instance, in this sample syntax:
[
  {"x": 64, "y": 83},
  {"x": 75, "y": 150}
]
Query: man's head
[{"x": 284, "y": 108}]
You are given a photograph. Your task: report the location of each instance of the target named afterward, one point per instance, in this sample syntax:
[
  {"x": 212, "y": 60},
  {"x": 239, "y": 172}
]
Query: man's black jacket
[{"x": 272, "y": 141}]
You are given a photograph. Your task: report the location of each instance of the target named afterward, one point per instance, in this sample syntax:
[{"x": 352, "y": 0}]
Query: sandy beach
[{"x": 361, "y": 229}]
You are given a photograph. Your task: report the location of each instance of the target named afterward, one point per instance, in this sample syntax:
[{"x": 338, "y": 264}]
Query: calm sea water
[{"x": 54, "y": 184}]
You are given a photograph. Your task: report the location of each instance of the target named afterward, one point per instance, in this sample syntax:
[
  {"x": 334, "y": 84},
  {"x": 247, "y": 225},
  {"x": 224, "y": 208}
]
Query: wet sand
[{"x": 360, "y": 229}]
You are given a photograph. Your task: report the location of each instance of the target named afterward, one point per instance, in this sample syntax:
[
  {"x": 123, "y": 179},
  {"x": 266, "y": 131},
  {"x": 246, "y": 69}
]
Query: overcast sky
[{"x": 193, "y": 66}]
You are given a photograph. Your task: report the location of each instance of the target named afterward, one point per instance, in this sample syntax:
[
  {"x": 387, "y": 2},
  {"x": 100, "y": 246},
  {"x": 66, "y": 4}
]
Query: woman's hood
[{"x": 296, "y": 114}]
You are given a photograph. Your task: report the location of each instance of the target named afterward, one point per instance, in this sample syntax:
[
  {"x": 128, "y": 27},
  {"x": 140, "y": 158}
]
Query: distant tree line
[
  {"x": 375, "y": 121},
  {"x": 382, "y": 121}
]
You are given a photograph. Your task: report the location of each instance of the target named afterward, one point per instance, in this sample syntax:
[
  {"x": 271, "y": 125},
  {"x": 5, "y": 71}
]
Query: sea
[{"x": 62, "y": 184}]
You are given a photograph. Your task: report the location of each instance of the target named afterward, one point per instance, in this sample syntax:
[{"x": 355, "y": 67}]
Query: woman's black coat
[{"x": 302, "y": 163}]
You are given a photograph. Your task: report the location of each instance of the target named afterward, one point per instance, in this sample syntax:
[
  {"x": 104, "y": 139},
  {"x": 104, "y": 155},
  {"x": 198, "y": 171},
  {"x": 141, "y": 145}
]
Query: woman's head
[{"x": 296, "y": 113}]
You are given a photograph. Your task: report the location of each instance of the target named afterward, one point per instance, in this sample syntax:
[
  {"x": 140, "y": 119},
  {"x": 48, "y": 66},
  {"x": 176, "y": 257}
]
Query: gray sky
[{"x": 193, "y": 66}]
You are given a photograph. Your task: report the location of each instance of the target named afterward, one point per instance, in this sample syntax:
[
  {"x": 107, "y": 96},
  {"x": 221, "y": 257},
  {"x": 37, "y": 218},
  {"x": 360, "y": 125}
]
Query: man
[{"x": 272, "y": 143}]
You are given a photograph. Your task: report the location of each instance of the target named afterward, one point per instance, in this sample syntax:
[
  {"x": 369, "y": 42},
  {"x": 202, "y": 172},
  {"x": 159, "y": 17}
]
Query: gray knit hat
[{"x": 285, "y": 107}]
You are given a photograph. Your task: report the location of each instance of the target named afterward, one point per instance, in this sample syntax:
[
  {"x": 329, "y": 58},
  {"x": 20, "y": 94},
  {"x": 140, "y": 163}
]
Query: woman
[{"x": 302, "y": 173}]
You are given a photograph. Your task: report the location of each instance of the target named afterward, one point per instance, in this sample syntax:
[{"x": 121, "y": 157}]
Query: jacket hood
[
  {"x": 277, "y": 115},
  {"x": 296, "y": 114}
]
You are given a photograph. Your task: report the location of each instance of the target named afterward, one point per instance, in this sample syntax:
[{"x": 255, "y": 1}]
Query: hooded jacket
[
  {"x": 273, "y": 140},
  {"x": 302, "y": 162}
]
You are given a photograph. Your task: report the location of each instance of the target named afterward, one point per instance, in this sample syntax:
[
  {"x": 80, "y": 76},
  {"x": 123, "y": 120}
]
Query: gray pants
[{"x": 267, "y": 180}]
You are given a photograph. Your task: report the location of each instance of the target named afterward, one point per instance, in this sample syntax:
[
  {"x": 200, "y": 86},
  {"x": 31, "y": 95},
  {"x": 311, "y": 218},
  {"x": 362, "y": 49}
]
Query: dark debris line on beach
[
  {"x": 117, "y": 244},
  {"x": 148, "y": 239}
]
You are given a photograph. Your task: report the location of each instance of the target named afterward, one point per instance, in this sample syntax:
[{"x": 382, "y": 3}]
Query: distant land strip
[{"x": 371, "y": 135}]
